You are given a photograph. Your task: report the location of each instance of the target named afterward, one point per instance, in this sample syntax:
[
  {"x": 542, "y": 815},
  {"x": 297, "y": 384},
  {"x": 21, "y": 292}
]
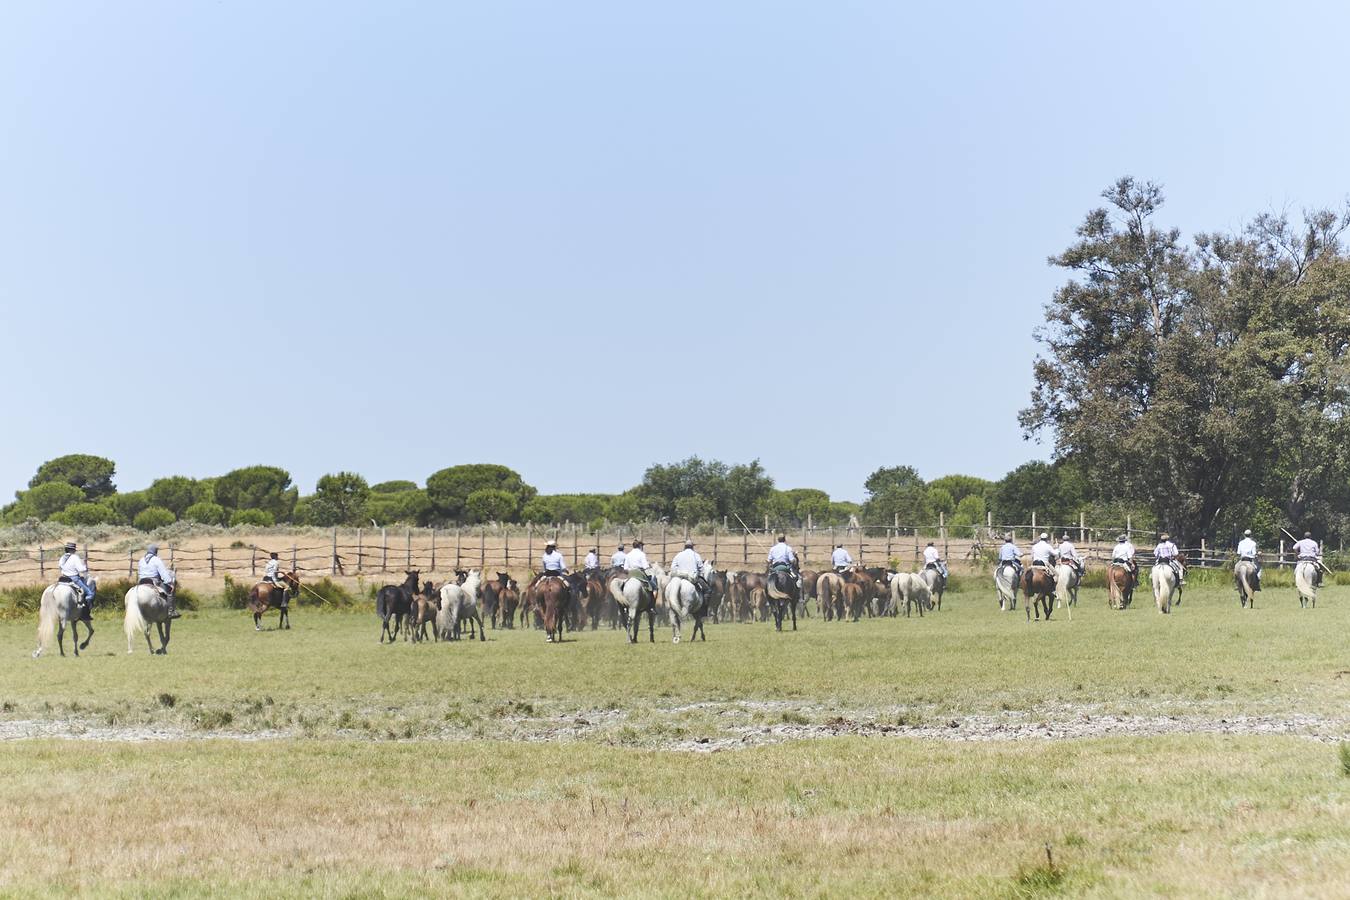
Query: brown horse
[
  {"x": 267, "y": 596},
  {"x": 809, "y": 577},
  {"x": 830, "y": 596},
  {"x": 1038, "y": 583},
  {"x": 1120, "y": 581},
  {"x": 551, "y": 594},
  {"x": 508, "y": 596},
  {"x": 754, "y": 596},
  {"x": 425, "y": 605},
  {"x": 394, "y": 601}
]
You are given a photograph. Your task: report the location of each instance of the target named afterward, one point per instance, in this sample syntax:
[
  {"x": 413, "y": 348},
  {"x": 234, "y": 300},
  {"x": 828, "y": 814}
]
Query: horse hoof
[{"x": 676, "y": 640}]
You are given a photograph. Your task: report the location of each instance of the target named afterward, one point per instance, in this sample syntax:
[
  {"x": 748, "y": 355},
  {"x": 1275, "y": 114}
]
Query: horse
[
  {"x": 718, "y": 590},
  {"x": 913, "y": 590},
  {"x": 267, "y": 596},
  {"x": 593, "y": 602},
  {"x": 1038, "y": 583},
  {"x": 426, "y": 605},
  {"x": 752, "y": 595},
  {"x": 1005, "y": 584},
  {"x": 460, "y": 602},
  {"x": 394, "y": 601},
  {"x": 684, "y": 601},
  {"x": 809, "y": 578},
  {"x": 1066, "y": 584},
  {"x": 1244, "y": 573},
  {"x": 61, "y": 606},
  {"x": 830, "y": 595},
  {"x": 1305, "y": 579},
  {"x": 146, "y": 606},
  {"x": 551, "y": 595},
  {"x": 1120, "y": 580},
  {"x": 937, "y": 584},
  {"x": 784, "y": 592},
  {"x": 634, "y": 595},
  {"x": 1166, "y": 586}
]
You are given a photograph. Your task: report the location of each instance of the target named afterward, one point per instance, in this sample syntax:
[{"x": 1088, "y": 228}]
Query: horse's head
[
  {"x": 411, "y": 581},
  {"x": 292, "y": 580},
  {"x": 503, "y": 578},
  {"x": 460, "y": 575}
]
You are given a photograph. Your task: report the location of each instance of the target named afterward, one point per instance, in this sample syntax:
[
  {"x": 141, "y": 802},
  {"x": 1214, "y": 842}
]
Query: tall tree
[{"x": 93, "y": 475}]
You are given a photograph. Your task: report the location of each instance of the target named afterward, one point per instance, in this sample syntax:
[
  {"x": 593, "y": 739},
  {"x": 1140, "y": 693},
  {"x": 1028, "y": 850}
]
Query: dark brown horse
[
  {"x": 1038, "y": 584},
  {"x": 266, "y": 596},
  {"x": 394, "y": 601},
  {"x": 809, "y": 577},
  {"x": 718, "y": 589},
  {"x": 552, "y": 596},
  {"x": 1120, "y": 580}
]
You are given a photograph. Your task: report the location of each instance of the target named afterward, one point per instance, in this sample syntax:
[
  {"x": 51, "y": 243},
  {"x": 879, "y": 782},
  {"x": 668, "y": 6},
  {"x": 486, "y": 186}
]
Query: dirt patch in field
[{"x": 720, "y": 726}]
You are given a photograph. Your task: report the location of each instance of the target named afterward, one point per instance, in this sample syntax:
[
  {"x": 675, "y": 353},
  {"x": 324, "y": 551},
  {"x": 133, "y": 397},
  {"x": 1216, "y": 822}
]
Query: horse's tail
[
  {"x": 616, "y": 591},
  {"x": 47, "y": 620},
  {"x": 135, "y": 622},
  {"x": 381, "y": 604}
]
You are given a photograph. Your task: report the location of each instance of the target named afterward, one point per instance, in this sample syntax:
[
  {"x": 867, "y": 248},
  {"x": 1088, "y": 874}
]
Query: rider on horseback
[
  {"x": 840, "y": 559},
  {"x": 932, "y": 559},
  {"x": 1068, "y": 555},
  {"x": 688, "y": 564},
  {"x": 73, "y": 571},
  {"x": 272, "y": 576},
  {"x": 1167, "y": 552},
  {"x": 1010, "y": 555},
  {"x": 1042, "y": 553},
  {"x": 783, "y": 559},
  {"x": 638, "y": 566},
  {"x": 1246, "y": 549},
  {"x": 1308, "y": 550},
  {"x": 1123, "y": 553},
  {"x": 619, "y": 559},
  {"x": 153, "y": 572},
  {"x": 592, "y": 561}
]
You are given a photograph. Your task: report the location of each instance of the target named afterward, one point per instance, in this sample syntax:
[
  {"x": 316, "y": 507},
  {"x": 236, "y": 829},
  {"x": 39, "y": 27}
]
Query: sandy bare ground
[{"x": 722, "y": 726}]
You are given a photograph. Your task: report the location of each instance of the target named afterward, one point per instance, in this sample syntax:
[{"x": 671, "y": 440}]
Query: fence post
[
  {"x": 665, "y": 560},
  {"x": 1033, "y": 525},
  {"x": 714, "y": 553},
  {"x": 890, "y": 532},
  {"x": 506, "y": 549},
  {"x": 335, "y": 558},
  {"x": 42, "y": 562},
  {"x": 408, "y": 536},
  {"x": 766, "y": 523},
  {"x": 293, "y": 556},
  {"x": 942, "y": 530},
  {"x": 131, "y": 562},
  {"x": 1082, "y": 528},
  {"x": 458, "y": 532},
  {"x": 576, "y": 550},
  {"x": 359, "y": 548},
  {"x": 1128, "y": 529},
  {"x": 862, "y": 547},
  {"x": 1202, "y": 551},
  {"x": 210, "y": 552},
  {"x": 384, "y": 549},
  {"x": 1281, "y": 563},
  {"x": 745, "y": 547},
  {"x": 482, "y": 549},
  {"x": 252, "y": 560},
  {"x": 803, "y": 557},
  {"x": 433, "y": 549},
  {"x": 529, "y": 544}
]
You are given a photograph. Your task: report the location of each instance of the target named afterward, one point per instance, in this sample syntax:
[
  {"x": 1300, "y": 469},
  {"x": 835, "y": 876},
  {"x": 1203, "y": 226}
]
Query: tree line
[{"x": 79, "y": 490}]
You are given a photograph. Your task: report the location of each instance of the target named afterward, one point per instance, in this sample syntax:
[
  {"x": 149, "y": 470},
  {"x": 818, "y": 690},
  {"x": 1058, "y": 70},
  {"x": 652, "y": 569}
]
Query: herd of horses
[{"x": 419, "y": 610}]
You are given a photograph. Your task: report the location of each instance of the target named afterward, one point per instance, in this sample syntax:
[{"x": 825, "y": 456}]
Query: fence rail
[{"x": 365, "y": 552}]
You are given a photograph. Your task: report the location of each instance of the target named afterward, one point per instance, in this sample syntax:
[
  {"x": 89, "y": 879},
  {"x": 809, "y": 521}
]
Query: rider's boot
[{"x": 173, "y": 609}]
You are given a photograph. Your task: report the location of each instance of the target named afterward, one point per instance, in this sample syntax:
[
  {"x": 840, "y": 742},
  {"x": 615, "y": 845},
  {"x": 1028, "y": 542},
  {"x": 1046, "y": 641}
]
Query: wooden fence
[{"x": 362, "y": 552}]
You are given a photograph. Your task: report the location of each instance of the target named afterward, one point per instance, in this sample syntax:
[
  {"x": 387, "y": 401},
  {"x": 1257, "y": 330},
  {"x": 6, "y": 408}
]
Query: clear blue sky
[{"x": 406, "y": 229}]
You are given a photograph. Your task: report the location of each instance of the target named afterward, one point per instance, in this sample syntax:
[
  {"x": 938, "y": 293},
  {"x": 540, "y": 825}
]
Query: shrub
[
  {"x": 49, "y": 498},
  {"x": 129, "y": 505},
  {"x": 235, "y": 594},
  {"x": 153, "y": 517},
  {"x": 205, "y": 513},
  {"x": 112, "y": 591},
  {"x": 174, "y": 493},
  {"x": 259, "y": 517},
  {"x": 87, "y": 514},
  {"x": 337, "y": 596}
]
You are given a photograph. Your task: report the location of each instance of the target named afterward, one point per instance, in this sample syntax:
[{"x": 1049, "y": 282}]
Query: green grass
[
  {"x": 1183, "y": 816},
  {"x": 516, "y": 767}
]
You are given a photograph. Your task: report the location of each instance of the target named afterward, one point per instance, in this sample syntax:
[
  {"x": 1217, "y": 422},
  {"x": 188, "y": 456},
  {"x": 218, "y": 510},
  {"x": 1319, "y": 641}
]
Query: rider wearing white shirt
[
  {"x": 1068, "y": 554},
  {"x": 1042, "y": 554},
  {"x": 687, "y": 563},
  {"x": 1246, "y": 549},
  {"x": 619, "y": 559},
  {"x": 272, "y": 575},
  {"x": 1167, "y": 552},
  {"x": 1309, "y": 550},
  {"x": 73, "y": 570},
  {"x": 592, "y": 560},
  {"x": 932, "y": 558},
  {"x": 1123, "y": 552},
  {"x": 638, "y": 566},
  {"x": 781, "y": 554},
  {"x": 152, "y": 571},
  {"x": 840, "y": 558}
]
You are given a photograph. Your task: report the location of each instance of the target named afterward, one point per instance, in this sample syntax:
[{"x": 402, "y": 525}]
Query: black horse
[
  {"x": 395, "y": 601},
  {"x": 784, "y": 594}
]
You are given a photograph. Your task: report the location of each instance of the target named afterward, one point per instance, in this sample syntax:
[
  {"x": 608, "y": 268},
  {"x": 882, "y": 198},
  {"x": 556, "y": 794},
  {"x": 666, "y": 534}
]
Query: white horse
[
  {"x": 684, "y": 601},
  {"x": 146, "y": 607},
  {"x": 937, "y": 584},
  {"x": 636, "y": 597},
  {"x": 912, "y": 590},
  {"x": 61, "y": 606},
  {"x": 1305, "y": 579},
  {"x": 1066, "y": 585},
  {"x": 1244, "y": 573},
  {"x": 460, "y": 602},
  {"x": 1005, "y": 583},
  {"x": 1166, "y": 587}
]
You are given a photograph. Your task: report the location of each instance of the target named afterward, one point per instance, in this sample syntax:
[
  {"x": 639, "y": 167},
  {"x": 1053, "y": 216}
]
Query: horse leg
[
  {"x": 61, "y": 637},
  {"x": 257, "y": 621},
  {"x": 793, "y": 608},
  {"x": 164, "y": 630},
  {"x": 88, "y": 633},
  {"x": 149, "y": 646}
]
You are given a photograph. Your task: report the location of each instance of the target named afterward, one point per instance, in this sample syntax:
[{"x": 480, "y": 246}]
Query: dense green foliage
[
  {"x": 93, "y": 475},
  {"x": 153, "y": 517}
]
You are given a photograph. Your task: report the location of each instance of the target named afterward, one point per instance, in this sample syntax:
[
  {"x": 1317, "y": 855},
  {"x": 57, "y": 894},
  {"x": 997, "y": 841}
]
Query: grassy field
[{"x": 1185, "y": 755}]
